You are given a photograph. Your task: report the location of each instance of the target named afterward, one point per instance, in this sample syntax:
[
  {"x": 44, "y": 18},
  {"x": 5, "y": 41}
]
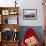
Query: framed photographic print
[
  {"x": 29, "y": 14},
  {"x": 12, "y": 12},
  {"x": 5, "y": 12}
]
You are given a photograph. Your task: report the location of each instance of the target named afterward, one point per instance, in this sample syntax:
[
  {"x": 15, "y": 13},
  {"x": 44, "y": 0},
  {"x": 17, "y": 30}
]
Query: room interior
[{"x": 16, "y": 16}]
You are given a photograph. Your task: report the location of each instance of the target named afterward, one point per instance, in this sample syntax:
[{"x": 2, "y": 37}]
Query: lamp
[{"x": 15, "y": 3}]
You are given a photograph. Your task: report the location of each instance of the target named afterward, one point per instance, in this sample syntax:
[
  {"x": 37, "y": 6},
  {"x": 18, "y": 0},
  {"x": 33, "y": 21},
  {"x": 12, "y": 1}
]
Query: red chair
[{"x": 29, "y": 33}]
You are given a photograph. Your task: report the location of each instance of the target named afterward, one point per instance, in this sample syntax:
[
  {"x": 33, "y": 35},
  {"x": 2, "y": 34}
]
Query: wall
[
  {"x": 31, "y": 4},
  {"x": 27, "y": 4}
]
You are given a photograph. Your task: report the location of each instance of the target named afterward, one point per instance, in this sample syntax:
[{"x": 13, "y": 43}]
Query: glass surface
[
  {"x": 9, "y": 20},
  {"x": 12, "y": 20},
  {"x": 9, "y": 34}
]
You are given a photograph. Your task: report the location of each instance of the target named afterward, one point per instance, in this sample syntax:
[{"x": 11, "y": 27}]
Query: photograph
[{"x": 30, "y": 14}]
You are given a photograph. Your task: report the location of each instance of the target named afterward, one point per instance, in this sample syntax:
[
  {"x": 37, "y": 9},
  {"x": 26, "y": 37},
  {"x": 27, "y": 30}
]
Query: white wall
[
  {"x": 31, "y": 4},
  {"x": 27, "y": 4}
]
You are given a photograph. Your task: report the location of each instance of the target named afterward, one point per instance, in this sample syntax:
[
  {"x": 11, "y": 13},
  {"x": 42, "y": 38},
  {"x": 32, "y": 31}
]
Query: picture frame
[
  {"x": 5, "y": 12},
  {"x": 29, "y": 14},
  {"x": 13, "y": 12}
]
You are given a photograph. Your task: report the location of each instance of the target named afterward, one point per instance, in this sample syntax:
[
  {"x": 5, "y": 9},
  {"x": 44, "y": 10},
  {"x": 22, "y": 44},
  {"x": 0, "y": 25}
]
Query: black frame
[{"x": 30, "y": 18}]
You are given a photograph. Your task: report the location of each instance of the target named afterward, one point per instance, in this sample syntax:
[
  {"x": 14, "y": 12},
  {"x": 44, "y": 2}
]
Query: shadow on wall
[{"x": 37, "y": 29}]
